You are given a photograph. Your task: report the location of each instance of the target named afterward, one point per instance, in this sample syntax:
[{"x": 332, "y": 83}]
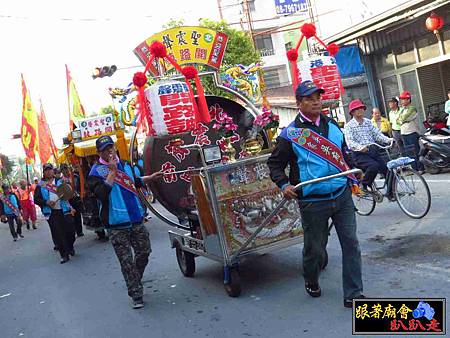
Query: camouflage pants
[{"x": 133, "y": 266}]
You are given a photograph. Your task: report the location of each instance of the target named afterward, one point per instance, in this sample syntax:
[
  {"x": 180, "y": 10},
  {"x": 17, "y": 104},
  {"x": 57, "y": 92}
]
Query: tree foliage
[
  {"x": 106, "y": 110},
  {"x": 7, "y": 165},
  {"x": 240, "y": 48}
]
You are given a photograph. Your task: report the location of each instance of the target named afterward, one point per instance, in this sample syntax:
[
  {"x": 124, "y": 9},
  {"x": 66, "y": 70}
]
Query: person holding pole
[{"x": 313, "y": 146}]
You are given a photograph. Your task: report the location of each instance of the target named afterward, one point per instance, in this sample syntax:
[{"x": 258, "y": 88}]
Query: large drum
[{"x": 160, "y": 153}]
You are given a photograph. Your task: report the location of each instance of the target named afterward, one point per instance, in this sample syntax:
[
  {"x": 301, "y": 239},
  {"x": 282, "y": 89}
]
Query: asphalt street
[{"x": 87, "y": 297}]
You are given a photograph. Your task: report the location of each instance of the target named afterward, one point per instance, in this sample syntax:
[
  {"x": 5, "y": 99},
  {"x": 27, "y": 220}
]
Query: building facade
[{"x": 400, "y": 54}]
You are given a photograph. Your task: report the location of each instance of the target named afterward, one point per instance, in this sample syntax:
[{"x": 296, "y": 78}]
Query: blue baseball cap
[
  {"x": 103, "y": 142},
  {"x": 307, "y": 88}
]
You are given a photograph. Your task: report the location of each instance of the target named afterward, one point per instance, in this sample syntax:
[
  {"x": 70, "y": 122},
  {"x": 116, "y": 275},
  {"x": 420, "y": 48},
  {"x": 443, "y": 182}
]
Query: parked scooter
[{"x": 435, "y": 147}]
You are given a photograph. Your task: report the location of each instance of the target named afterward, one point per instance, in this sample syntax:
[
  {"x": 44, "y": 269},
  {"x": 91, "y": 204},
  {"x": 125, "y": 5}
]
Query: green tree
[
  {"x": 173, "y": 23},
  {"x": 7, "y": 165},
  {"x": 240, "y": 49},
  {"x": 106, "y": 110}
]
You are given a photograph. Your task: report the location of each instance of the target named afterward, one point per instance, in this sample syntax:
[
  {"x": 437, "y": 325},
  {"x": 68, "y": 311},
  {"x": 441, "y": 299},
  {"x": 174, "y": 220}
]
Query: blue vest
[
  {"x": 312, "y": 166},
  {"x": 46, "y": 210},
  {"x": 124, "y": 206},
  {"x": 13, "y": 199}
]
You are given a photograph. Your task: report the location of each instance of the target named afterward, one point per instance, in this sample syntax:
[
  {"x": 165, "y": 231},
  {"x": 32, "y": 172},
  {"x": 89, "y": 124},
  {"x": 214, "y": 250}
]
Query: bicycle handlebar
[{"x": 380, "y": 146}]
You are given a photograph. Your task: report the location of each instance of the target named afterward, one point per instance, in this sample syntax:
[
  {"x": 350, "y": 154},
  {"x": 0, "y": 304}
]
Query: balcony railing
[{"x": 266, "y": 52}]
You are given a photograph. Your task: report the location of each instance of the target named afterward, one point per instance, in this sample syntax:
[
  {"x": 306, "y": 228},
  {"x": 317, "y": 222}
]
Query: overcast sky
[{"x": 38, "y": 37}]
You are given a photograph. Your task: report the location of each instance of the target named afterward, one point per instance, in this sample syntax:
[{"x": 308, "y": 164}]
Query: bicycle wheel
[
  {"x": 412, "y": 193},
  {"x": 364, "y": 203}
]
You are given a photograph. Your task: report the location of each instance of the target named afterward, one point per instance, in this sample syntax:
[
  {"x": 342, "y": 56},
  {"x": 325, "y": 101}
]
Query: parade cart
[{"x": 216, "y": 185}]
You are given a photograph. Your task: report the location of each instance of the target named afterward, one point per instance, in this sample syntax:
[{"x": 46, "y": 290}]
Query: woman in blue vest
[
  {"x": 10, "y": 211},
  {"x": 58, "y": 212}
]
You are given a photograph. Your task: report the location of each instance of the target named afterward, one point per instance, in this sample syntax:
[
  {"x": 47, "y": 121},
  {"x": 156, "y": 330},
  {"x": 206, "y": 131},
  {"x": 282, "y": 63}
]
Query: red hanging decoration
[
  {"x": 292, "y": 56},
  {"x": 139, "y": 79},
  {"x": 333, "y": 49},
  {"x": 308, "y": 30},
  {"x": 434, "y": 22},
  {"x": 144, "y": 119},
  {"x": 189, "y": 72},
  {"x": 158, "y": 50}
]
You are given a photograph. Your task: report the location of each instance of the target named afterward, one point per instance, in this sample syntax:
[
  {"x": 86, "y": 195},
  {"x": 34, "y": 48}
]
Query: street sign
[{"x": 284, "y": 7}]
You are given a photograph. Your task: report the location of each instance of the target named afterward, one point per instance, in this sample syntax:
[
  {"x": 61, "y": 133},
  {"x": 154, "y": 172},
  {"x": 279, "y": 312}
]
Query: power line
[{"x": 65, "y": 19}]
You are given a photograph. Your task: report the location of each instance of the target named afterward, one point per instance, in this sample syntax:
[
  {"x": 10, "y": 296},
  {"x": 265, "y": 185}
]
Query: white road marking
[{"x": 5, "y": 295}]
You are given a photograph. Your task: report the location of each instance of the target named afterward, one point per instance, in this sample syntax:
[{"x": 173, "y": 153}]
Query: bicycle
[{"x": 407, "y": 187}]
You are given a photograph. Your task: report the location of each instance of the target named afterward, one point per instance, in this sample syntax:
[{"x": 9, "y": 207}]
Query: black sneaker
[
  {"x": 21, "y": 236},
  {"x": 80, "y": 234},
  {"x": 15, "y": 239},
  {"x": 349, "y": 302},
  {"x": 65, "y": 259},
  {"x": 138, "y": 303},
  {"x": 313, "y": 289}
]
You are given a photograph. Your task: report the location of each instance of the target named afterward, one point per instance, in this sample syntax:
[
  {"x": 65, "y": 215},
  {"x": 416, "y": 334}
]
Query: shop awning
[{"x": 397, "y": 15}]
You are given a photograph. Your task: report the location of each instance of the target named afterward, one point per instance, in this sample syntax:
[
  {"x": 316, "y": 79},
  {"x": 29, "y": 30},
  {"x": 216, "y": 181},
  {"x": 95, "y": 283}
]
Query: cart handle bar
[{"x": 283, "y": 202}]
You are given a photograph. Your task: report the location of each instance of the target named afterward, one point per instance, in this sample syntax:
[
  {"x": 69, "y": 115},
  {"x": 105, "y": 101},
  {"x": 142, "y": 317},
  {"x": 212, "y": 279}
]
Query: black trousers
[
  {"x": 371, "y": 163},
  {"x": 14, "y": 231},
  {"x": 63, "y": 232},
  {"x": 78, "y": 206}
]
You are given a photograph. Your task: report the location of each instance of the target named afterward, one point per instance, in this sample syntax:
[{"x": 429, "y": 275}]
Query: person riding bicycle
[{"x": 360, "y": 133}]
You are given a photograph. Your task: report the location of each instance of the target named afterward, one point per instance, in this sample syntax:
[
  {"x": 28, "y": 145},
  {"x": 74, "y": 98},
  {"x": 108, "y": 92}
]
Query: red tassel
[
  {"x": 202, "y": 105},
  {"x": 144, "y": 119},
  {"x": 297, "y": 46},
  {"x": 292, "y": 56},
  {"x": 295, "y": 74}
]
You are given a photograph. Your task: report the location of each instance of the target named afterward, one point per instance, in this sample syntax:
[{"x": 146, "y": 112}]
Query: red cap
[
  {"x": 356, "y": 104},
  {"x": 405, "y": 95}
]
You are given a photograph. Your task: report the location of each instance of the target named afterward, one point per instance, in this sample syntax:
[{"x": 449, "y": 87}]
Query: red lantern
[
  {"x": 172, "y": 108},
  {"x": 434, "y": 22}
]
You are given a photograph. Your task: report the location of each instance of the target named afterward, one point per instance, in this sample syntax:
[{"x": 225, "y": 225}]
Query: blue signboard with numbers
[{"x": 284, "y": 7}]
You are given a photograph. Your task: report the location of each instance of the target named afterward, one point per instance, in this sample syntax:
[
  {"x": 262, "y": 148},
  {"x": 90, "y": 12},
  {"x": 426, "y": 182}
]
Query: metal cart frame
[{"x": 188, "y": 247}]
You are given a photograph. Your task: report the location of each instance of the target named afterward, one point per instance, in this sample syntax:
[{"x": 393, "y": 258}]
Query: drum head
[
  {"x": 64, "y": 191},
  {"x": 174, "y": 191}
]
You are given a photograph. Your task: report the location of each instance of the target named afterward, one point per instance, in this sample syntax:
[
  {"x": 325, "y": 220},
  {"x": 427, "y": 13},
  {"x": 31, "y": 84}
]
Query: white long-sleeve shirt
[{"x": 359, "y": 135}]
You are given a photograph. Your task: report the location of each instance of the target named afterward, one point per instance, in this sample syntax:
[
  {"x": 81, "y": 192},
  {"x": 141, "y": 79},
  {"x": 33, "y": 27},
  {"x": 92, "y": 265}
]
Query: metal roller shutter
[{"x": 431, "y": 86}]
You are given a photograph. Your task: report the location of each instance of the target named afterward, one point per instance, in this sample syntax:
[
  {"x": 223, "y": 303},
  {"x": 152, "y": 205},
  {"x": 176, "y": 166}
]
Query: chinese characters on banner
[
  {"x": 323, "y": 71},
  {"x": 94, "y": 127},
  {"x": 187, "y": 45},
  {"x": 171, "y": 107}
]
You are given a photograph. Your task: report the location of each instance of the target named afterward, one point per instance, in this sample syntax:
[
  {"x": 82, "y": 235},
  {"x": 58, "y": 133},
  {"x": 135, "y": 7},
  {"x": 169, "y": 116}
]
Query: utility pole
[
  {"x": 248, "y": 16},
  {"x": 219, "y": 6}
]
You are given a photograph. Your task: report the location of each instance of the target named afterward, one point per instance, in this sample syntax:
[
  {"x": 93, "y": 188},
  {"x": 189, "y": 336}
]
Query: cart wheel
[
  {"x": 232, "y": 281},
  {"x": 325, "y": 261},
  {"x": 186, "y": 261}
]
